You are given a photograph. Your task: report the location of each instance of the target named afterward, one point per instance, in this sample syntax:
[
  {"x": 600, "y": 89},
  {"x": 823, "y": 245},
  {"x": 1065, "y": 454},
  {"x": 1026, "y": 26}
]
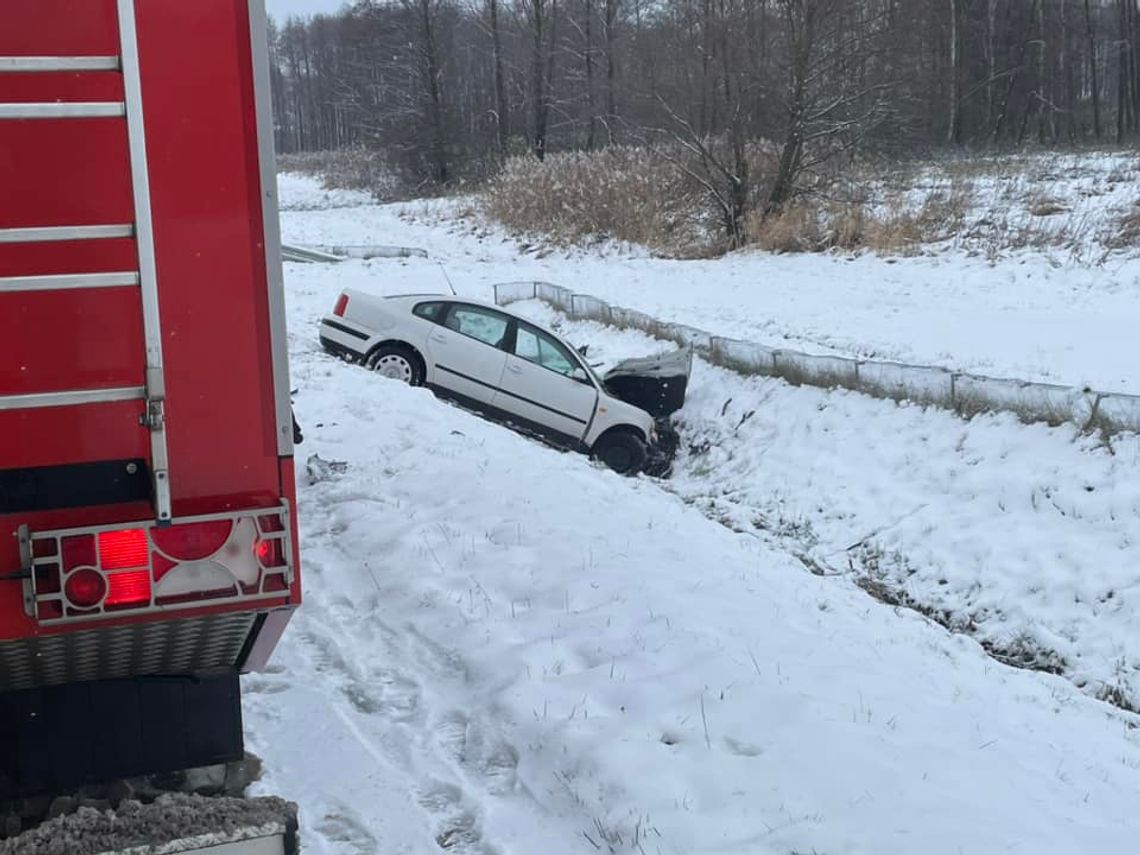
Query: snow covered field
[
  {"x": 505, "y": 649},
  {"x": 1036, "y": 316},
  {"x": 1026, "y": 537}
]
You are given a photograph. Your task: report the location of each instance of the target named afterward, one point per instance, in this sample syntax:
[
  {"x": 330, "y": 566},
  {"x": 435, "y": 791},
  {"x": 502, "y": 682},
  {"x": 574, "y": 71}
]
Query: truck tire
[
  {"x": 397, "y": 362},
  {"x": 622, "y": 452}
]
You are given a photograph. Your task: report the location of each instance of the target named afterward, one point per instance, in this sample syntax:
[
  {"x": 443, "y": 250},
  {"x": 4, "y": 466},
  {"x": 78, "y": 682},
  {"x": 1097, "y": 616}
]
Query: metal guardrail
[
  {"x": 307, "y": 255},
  {"x": 334, "y": 254},
  {"x": 377, "y": 251},
  {"x": 964, "y": 393}
]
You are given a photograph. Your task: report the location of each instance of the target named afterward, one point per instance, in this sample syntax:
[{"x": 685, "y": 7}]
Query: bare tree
[
  {"x": 830, "y": 102},
  {"x": 542, "y": 21},
  {"x": 426, "y": 14},
  {"x": 441, "y": 86},
  {"x": 954, "y": 132},
  {"x": 502, "y": 105}
]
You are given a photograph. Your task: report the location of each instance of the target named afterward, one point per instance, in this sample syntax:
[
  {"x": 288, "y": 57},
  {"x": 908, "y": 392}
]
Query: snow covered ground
[
  {"x": 1034, "y": 316},
  {"x": 1026, "y": 537},
  {"x": 505, "y": 649}
]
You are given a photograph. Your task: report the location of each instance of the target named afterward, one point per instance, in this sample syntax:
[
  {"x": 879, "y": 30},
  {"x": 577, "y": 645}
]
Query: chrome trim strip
[
  {"x": 10, "y": 284},
  {"x": 64, "y": 110},
  {"x": 270, "y": 224},
  {"x": 144, "y": 230},
  {"x": 71, "y": 398},
  {"x": 43, "y": 234},
  {"x": 58, "y": 63}
]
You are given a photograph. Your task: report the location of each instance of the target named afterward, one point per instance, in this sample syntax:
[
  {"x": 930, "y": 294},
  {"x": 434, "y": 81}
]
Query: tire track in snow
[{"x": 373, "y": 675}]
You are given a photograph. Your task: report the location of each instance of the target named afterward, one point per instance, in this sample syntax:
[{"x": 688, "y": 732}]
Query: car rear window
[
  {"x": 486, "y": 325},
  {"x": 429, "y": 311}
]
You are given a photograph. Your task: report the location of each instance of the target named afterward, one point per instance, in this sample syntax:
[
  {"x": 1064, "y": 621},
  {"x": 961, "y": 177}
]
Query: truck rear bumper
[{"x": 152, "y": 648}]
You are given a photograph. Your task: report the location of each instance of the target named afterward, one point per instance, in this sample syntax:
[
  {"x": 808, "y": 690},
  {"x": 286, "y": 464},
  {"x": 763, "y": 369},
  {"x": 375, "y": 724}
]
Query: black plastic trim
[
  {"x": 73, "y": 485},
  {"x": 346, "y": 329},
  {"x": 337, "y": 349}
]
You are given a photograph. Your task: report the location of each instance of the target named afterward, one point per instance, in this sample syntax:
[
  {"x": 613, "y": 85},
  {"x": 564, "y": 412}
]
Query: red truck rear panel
[{"x": 208, "y": 152}]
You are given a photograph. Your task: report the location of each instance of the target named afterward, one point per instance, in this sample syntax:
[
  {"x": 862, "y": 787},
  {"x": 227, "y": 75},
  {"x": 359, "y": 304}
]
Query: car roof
[{"x": 409, "y": 300}]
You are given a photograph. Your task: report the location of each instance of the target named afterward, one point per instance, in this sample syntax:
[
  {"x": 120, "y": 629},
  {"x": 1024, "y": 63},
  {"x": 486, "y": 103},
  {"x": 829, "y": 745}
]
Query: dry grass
[
  {"x": 1046, "y": 207},
  {"x": 1127, "y": 231},
  {"x": 621, "y": 193},
  {"x": 349, "y": 169},
  {"x": 889, "y": 228},
  {"x": 796, "y": 229}
]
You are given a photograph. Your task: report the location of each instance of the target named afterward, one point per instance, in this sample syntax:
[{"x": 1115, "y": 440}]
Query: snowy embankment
[
  {"x": 1034, "y": 316},
  {"x": 507, "y": 650},
  {"x": 1023, "y": 536}
]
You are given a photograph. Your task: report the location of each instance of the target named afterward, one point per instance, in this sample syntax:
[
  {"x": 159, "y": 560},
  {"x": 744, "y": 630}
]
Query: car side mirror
[{"x": 580, "y": 375}]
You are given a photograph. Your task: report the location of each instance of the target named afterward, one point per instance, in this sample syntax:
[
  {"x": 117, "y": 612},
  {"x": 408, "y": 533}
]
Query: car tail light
[{"x": 341, "y": 305}]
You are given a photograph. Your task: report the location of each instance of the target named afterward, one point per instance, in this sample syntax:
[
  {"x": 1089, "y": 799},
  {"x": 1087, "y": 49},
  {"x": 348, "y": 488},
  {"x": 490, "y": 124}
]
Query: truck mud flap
[{"x": 61, "y": 737}]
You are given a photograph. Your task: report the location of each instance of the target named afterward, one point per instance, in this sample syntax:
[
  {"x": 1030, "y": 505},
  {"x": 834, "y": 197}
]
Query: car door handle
[
  {"x": 440, "y": 337},
  {"x": 514, "y": 369}
]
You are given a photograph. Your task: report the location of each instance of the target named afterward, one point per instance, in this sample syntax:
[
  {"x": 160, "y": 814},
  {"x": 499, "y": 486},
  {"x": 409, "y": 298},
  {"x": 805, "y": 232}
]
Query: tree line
[{"x": 446, "y": 89}]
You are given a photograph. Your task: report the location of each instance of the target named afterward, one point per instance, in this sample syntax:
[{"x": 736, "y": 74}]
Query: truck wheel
[
  {"x": 398, "y": 363},
  {"x": 622, "y": 452}
]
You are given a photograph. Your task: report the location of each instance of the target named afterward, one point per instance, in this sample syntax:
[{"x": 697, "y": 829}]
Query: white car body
[{"x": 527, "y": 376}]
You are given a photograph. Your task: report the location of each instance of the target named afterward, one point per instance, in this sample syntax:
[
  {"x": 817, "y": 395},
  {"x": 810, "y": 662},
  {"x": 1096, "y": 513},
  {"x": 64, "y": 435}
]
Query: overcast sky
[{"x": 279, "y": 10}]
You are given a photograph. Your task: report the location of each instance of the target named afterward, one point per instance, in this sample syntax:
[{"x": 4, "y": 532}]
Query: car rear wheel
[
  {"x": 622, "y": 452},
  {"x": 397, "y": 363}
]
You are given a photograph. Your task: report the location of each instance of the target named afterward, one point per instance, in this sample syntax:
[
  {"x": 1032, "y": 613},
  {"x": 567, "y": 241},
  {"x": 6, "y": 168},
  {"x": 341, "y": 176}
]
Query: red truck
[{"x": 148, "y": 539}]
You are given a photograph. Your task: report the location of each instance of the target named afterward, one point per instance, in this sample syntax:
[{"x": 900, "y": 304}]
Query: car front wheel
[
  {"x": 622, "y": 452},
  {"x": 397, "y": 363}
]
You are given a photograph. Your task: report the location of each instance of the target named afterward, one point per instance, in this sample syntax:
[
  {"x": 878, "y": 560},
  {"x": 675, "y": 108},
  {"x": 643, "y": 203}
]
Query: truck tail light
[
  {"x": 86, "y": 573},
  {"x": 341, "y": 305},
  {"x": 194, "y": 541},
  {"x": 124, "y": 549},
  {"x": 124, "y": 557},
  {"x": 85, "y": 587},
  {"x": 131, "y": 587}
]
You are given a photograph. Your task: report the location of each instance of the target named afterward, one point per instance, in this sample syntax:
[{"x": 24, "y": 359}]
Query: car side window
[
  {"x": 536, "y": 346},
  {"x": 429, "y": 311},
  {"x": 485, "y": 325}
]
